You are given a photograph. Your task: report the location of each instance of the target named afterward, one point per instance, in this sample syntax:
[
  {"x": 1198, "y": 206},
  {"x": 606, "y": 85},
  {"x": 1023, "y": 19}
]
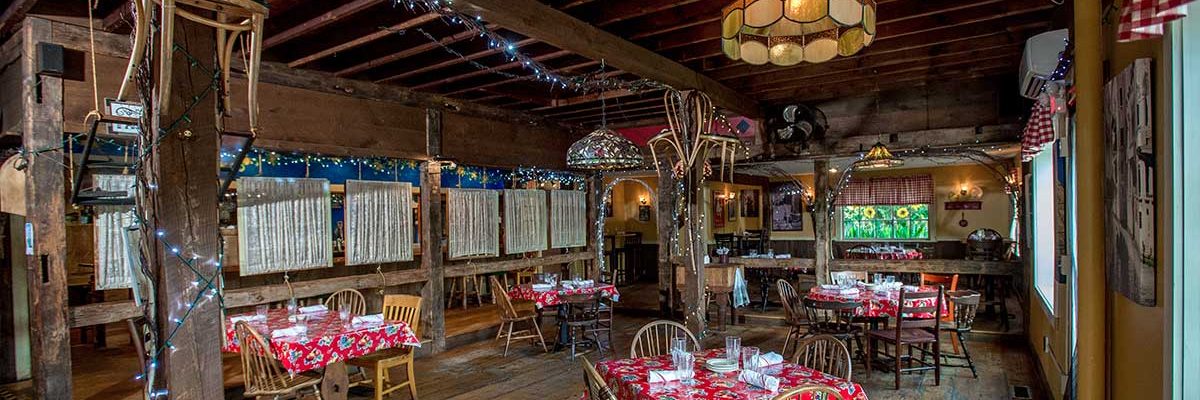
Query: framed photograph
[
  {"x": 718, "y": 211},
  {"x": 749, "y": 199},
  {"x": 1129, "y": 186},
  {"x": 787, "y": 209},
  {"x": 731, "y": 212},
  {"x": 644, "y": 213}
]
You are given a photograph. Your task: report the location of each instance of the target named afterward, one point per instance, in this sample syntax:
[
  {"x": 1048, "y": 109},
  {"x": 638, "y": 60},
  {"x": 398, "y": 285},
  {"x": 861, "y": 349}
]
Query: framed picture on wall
[
  {"x": 644, "y": 213},
  {"x": 749, "y": 202},
  {"x": 787, "y": 208},
  {"x": 718, "y": 210},
  {"x": 731, "y": 211},
  {"x": 608, "y": 208}
]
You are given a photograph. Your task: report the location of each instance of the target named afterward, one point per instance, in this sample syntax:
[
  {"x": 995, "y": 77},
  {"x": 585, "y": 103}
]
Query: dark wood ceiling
[{"x": 918, "y": 41}]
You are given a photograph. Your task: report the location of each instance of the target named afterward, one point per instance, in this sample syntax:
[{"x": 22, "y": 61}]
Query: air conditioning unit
[{"x": 1040, "y": 60}]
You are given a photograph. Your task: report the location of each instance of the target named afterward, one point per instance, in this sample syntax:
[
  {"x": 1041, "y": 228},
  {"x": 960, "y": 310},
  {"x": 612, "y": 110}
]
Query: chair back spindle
[
  {"x": 262, "y": 372},
  {"x": 402, "y": 307},
  {"x": 824, "y": 353},
  {"x": 654, "y": 339},
  {"x": 502, "y": 299},
  {"x": 812, "y": 392},
  {"x": 596, "y": 388},
  {"x": 349, "y": 299}
]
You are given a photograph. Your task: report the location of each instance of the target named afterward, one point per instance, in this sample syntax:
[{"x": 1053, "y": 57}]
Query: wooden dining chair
[
  {"x": 948, "y": 282},
  {"x": 824, "y": 353},
  {"x": 797, "y": 325},
  {"x": 396, "y": 307},
  {"x": 916, "y": 325},
  {"x": 834, "y": 318},
  {"x": 263, "y": 374},
  {"x": 347, "y": 298},
  {"x": 509, "y": 316},
  {"x": 654, "y": 339},
  {"x": 810, "y": 392},
  {"x": 596, "y": 388},
  {"x": 966, "y": 304}
]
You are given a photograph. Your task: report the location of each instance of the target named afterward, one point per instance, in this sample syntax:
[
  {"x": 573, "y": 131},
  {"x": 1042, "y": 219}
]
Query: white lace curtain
[
  {"x": 116, "y": 247},
  {"x": 473, "y": 218},
  {"x": 283, "y": 225},
  {"x": 378, "y": 222},
  {"x": 525, "y": 222},
  {"x": 568, "y": 218}
]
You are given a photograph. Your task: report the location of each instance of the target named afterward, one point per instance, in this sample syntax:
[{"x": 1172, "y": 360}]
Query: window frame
[
  {"x": 1048, "y": 295},
  {"x": 841, "y": 226}
]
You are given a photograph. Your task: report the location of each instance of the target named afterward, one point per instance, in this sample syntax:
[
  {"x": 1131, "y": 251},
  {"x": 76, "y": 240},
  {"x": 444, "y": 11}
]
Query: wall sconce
[
  {"x": 643, "y": 200},
  {"x": 966, "y": 192}
]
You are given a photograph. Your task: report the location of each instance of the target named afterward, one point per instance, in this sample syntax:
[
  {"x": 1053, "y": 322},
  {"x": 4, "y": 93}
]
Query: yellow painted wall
[
  {"x": 741, "y": 224},
  {"x": 996, "y": 213},
  {"x": 626, "y": 197}
]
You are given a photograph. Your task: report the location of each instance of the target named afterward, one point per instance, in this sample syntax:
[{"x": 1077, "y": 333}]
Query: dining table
[
  {"x": 629, "y": 379},
  {"x": 875, "y": 304},
  {"x": 558, "y": 294},
  {"x": 328, "y": 343}
]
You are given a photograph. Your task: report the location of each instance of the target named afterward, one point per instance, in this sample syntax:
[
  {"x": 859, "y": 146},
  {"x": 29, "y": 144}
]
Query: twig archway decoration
[{"x": 605, "y": 198}]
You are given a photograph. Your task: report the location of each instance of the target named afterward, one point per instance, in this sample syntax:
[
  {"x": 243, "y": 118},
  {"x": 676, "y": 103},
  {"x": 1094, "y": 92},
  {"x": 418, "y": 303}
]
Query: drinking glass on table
[
  {"x": 291, "y": 306},
  {"x": 878, "y": 278},
  {"x": 679, "y": 345},
  {"x": 750, "y": 359},
  {"x": 890, "y": 279},
  {"x": 733, "y": 348},
  {"x": 302, "y": 325},
  {"x": 344, "y": 314},
  {"x": 261, "y": 310},
  {"x": 685, "y": 364}
]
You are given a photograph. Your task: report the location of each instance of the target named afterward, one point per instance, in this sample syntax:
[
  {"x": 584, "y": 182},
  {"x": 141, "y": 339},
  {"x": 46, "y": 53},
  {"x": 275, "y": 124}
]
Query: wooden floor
[{"x": 477, "y": 370}]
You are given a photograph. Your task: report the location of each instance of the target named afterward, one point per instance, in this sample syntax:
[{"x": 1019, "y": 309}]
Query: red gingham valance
[
  {"x": 895, "y": 190},
  {"x": 1144, "y": 19},
  {"x": 1039, "y": 131}
]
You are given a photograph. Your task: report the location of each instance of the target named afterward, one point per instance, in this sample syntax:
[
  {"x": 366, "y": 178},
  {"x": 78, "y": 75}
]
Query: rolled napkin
[
  {"x": 767, "y": 360},
  {"x": 286, "y": 332},
  {"x": 830, "y": 287},
  {"x": 248, "y": 318},
  {"x": 848, "y": 291},
  {"x": 542, "y": 287},
  {"x": 761, "y": 380},
  {"x": 313, "y": 309},
  {"x": 368, "y": 319},
  {"x": 663, "y": 376}
]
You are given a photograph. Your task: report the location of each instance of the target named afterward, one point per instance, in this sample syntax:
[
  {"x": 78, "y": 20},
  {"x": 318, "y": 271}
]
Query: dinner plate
[{"x": 720, "y": 365}]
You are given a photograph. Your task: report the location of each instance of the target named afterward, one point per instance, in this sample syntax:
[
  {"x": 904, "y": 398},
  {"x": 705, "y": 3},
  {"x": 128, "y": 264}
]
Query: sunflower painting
[{"x": 902, "y": 222}]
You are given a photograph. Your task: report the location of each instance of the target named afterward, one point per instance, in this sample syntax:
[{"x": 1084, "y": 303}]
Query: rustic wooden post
[
  {"x": 184, "y": 208},
  {"x": 693, "y": 239},
  {"x": 46, "y": 219},
  {"x": 666, "y": 202},
  {"x": 821, "y": 232},
  {"x": 8, "y": 337},
  {"x": 433, "y": 292},
  {"x": 595, "y": 200}
]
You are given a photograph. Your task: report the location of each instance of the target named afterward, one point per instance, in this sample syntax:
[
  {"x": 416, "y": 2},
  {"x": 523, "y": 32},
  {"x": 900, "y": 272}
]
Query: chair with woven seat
[
  {"x": 596, "y": 388},
  {"x": 810, "y": 392},
  {"x": 654, "y": 339},
  {"x": 263, "y": 373},
  {"x": 509, "y": 316},
  {"x": 916, "y": 325},
  {"x": 792, "y": 314},
  {"x": 350, "y": 299},
  {"x": 824, "y": 353},
  {"x": 397, "y": 307},
  {"x": 966, "y": 303}
]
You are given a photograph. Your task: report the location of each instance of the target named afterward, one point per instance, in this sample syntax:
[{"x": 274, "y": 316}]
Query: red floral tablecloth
[
  {"x": 329, "y": 339},
  {"x": 875, "y": 304},
  {"x": 553, "y": 297},
  {"x": 629, "y": 379},
  {"x": 909, "y": 254}
]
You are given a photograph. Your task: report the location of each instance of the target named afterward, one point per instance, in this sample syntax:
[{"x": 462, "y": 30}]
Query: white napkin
[
  {"x": 286, "y": 332},
  {"x": 830, "y": 287},
  {"x": 761, "y": 380},
  {"x": 313, "y": 309},
  {"x": 663, "y": 376},
  {"x": 368, "y": 319},
  {"x": 542, "y": 287},
  {"x": 767, "y": 360},
  {"x": 247, "y": 318},
  {"x": 848, "y": 291}
]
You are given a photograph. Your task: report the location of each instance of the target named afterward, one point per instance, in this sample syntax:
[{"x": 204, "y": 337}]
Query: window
[
  {"x": 1042, "y": 209},
  {"x": 905, "y": 222}
]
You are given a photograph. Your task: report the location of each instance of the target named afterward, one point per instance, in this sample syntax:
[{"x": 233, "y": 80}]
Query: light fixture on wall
[
  {"x": 879, "y": 157},
  {"x": 788, "y": 32},
  {"x": 643, "y": 200},
  {"x": 967, "y": 192}
]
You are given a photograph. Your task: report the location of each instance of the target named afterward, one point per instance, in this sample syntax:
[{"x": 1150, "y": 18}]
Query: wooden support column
[
  {"x": 434, "y": 292},
  {"x": 8, "y": 337},
  {"x": 666, "y": 200},
  {"x": 821, "y": 232},
  {"x": 595, "y": 199},
  {"x": 184, "y": 208},
  {"x": 1089, "y": 40},
  {"x": 694, "y": 242},
  {"x": 45, "y": 213}
]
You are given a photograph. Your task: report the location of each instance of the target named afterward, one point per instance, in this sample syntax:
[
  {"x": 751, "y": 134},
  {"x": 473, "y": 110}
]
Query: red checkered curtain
[
  {"x": 892, "y": 190},
  {"x": 1144, "y": 19},
  {"x": 1039, "y": 131}
]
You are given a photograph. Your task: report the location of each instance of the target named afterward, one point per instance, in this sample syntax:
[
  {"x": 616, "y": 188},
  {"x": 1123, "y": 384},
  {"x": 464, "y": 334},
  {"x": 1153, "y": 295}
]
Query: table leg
[
  {"x": 336, "y": 383},
  {"x": 722, "y": 306},
  {"x": 563, "y": 332}
]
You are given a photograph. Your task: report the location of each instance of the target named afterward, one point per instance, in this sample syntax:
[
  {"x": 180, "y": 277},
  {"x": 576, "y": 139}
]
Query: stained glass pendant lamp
[
  {"x": 788, "y": 32},
  {"x": 879, "y": 157},
  {"x": 604, "y": 149}
]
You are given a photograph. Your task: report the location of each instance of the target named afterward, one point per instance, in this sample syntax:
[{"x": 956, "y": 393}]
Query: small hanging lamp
[
  {"x": 879, "y": 157},
  {"x": 604, "y": 149}
]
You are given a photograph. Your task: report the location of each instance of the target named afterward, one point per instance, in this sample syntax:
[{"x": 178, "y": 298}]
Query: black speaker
[{"x": 50, "y": 59}]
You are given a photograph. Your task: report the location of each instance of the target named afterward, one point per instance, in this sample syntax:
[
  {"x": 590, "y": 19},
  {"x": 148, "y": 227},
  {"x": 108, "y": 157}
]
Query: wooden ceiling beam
[
  {"x": 615, "y": 118},
  {"x": 1004, "y": 52},
  {"x": 319, "y": 22},
  {"x": 537, "y": 20},
  {"x": 596, "y": 109},
  {"x": 402, "y": 54},
  {"x": 501, "y": 67},
  {"x": 882, "y": 83},
  {"x": 612, "y": 111},
  {"x": 13, "y": 16},
  {"x": 953, "y": 65},
  {"x": 362, "y": 40},
  {"x": 612, "y": 13},
  {"x": 527, "y": 78},
  {"x": 453, "y": 61}
]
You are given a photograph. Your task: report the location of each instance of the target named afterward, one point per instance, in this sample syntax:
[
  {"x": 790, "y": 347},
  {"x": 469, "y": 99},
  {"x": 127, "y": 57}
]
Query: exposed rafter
[{"x": 362, "y": 40}]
